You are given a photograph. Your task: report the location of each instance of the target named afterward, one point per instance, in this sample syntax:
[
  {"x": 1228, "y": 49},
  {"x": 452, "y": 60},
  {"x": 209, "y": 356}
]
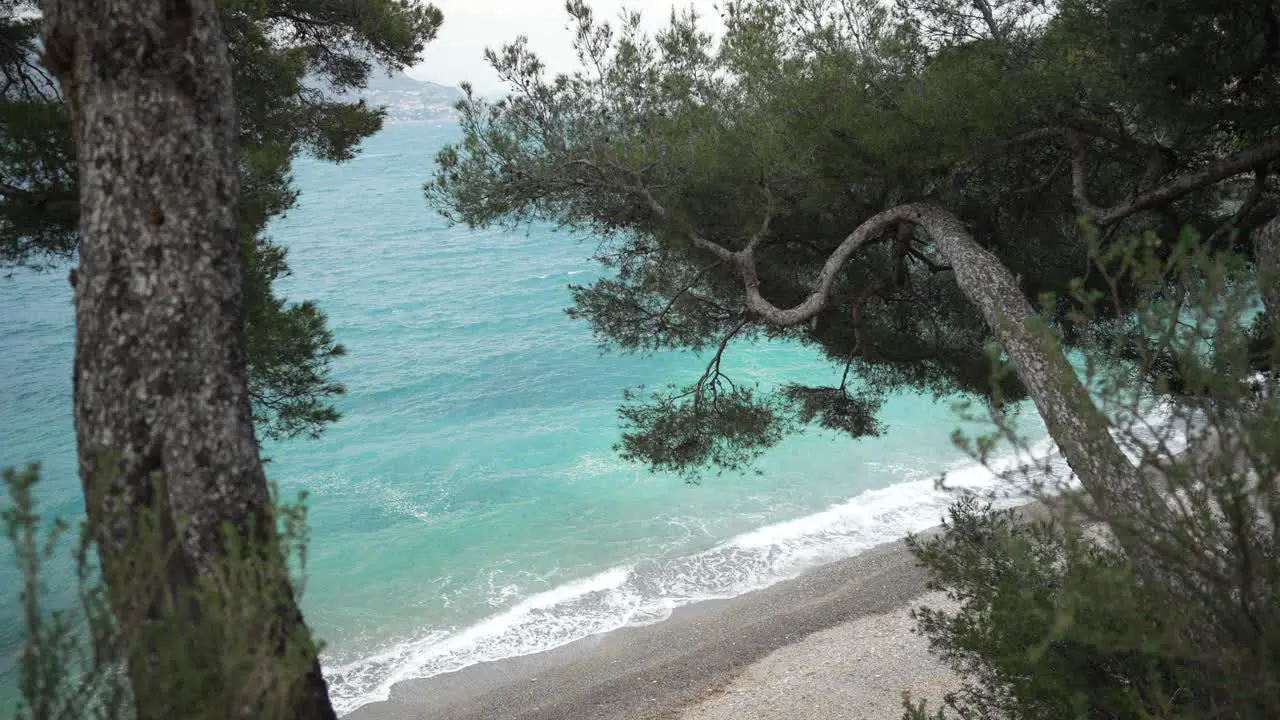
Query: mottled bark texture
[
  {"x": 1073, "y": 420},
  {"x": 1075, "y": 423},
  {"x": 160, "y": 388},
  {"x": 1266, "y": 244}
]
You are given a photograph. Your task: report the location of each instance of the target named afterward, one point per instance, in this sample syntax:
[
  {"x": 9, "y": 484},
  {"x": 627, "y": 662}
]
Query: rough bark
[
  {"x": 1071, "y": 417},
  {"x": 1266, "y": 243},
  {"x": 160, "y": 389}
]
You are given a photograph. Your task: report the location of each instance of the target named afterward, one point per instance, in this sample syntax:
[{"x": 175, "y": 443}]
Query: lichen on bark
[{"x": 159, "y": 373}]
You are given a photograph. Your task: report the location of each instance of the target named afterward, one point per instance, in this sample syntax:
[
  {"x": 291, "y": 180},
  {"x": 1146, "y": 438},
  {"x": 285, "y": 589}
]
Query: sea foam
[{"x": 648, "y": 590}]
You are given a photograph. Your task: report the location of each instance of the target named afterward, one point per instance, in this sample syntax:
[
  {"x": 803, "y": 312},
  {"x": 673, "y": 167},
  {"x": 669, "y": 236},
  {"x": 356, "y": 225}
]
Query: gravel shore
[
  {"x": 835, "y": 643},
  {"x": 832, "y": 643},
  {"x": 857, "y": 670}
]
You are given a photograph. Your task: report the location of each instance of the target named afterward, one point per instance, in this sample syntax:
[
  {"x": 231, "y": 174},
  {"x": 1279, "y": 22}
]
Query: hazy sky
[{"x": 470, "y": 26}]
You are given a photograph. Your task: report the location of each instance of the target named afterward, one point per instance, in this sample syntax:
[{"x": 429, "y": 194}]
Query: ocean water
[{"x": 468, "y": 507}]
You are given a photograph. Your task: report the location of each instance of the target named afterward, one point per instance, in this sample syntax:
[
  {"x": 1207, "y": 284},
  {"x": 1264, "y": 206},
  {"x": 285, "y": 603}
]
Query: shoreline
[{"x": 666, "y": 669}]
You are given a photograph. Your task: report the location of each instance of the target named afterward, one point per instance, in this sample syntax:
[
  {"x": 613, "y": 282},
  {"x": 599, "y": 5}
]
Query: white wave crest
[{"x": 647, "y": 591}]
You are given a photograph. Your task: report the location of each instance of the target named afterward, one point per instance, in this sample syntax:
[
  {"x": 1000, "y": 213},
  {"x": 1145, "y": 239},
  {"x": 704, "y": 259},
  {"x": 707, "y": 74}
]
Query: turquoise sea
[{"x": 468, "y": 507}]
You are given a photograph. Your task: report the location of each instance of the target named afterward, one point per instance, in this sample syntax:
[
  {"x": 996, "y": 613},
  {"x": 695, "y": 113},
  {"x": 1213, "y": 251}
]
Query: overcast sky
[{"x": 470, "y": 26}]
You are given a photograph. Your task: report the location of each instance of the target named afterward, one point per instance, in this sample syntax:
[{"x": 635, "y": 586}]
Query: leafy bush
[
  {"x": 1184, "y": 621},
  {"x": 76, "y": 662},
  {"x": 1055, "y": 625}
]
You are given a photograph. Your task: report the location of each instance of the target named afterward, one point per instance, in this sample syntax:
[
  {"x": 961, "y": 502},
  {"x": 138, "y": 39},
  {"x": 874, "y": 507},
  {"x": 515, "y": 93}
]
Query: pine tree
[
  {"x": 290, "y": 58},
  {"x": 903, "y": 188},
  {"x": 168, "y": 458}
]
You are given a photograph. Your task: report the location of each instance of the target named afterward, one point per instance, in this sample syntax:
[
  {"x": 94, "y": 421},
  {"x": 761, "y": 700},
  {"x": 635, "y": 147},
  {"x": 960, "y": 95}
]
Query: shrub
[{"x": 75, "y": 660}]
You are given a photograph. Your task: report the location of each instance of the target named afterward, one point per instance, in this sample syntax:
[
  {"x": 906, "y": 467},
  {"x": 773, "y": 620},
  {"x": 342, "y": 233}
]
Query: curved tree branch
[
  {"x": 1176, "y": 188},
  {"x": 1255, "y": 157},
  {"x": 744, "y": 261},
  {"x": 1073, "y": 420},
  {"x": 1079, "y": 193},
  {"x": 1159, "y": 159}
]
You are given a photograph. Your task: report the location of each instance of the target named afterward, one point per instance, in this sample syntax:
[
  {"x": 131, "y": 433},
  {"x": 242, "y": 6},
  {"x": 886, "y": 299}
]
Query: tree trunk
[
  {"x": 162, "y": 413},
  {"x": 1072, "y": 418},
  {"x": 1074, "y": 422},
  {"x": 1266, "y": 243}
]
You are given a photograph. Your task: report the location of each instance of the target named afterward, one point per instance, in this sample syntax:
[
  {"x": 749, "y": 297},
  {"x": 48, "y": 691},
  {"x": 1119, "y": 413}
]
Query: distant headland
[{"x": 407, "y": 99}]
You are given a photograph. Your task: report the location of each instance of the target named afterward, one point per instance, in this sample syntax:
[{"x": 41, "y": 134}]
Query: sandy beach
[
  {"x": 857, "y": 670},
  {"x": 835, "y": 642}
]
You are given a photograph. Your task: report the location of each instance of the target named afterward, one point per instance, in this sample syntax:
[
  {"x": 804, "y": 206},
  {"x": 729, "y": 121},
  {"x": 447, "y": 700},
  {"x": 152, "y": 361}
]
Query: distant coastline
[{"x": 407, "y": 99}]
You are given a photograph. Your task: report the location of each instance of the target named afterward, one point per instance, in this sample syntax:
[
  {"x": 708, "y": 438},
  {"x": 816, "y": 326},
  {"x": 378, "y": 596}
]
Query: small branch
[
  {"x": 1079, "y": 194},
  {"x": 1159, "y": 158},
  {"x": 662, "y": 316},
  {"x": 639, "y": 188},
  {"x": 299, "y": 20},
  {"x": 1247, "y": 206},
  {"x": 713, "y": 367},
  {"x": 1030, "y": 136},
  {"x": 1255, "y": 157},
  {"x": 587, "y": 164},
  {"x": 860, "y": 345},
  {"x": 718, "y": 250},
  {"x": 989, "y": 17},
  {"x": 712, "y": 373},
  {"x": 901, "y": 250},
  {"x": 763, "y": 231},
  {"x": 724, "y": 311},
  {"x": 1156, "y": 167},
  {"x": 1048, "y": 180},
  {"x": 1115, "y": 137}
]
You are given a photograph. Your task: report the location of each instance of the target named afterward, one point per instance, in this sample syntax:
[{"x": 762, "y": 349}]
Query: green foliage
[
  {"x": 1054, "y": 620},
  {"x": 193, "y": 652},
  {"x": 289, "y": 58},
  {"x": 810, "y": 116},
  {"x": 37, "y": 162},
  {"x": 1053, "y": 625},
  {"x": 837, "y": 409},
  {"x": 290, "y": 348},
  {"x": 1173, "y": 60},
  {"x": 682, "y": 428},
  {"x": 39, "y": 215}
]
